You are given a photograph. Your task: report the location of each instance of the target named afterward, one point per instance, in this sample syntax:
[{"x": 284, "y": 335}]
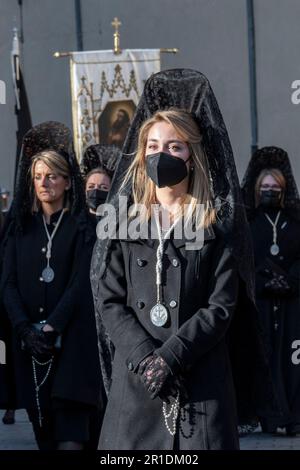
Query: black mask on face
[
  {"x": 165, "y": 170},
  {"x": 270, "y": 198},
  {"x": 95, "y": 197}
]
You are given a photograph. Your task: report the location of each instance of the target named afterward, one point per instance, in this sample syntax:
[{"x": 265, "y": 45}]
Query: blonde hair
[
  {"x": 278, "y": 177},
  {"x": 199, "y": 192},
  {"x": 98, "y": 170},
  {"x": 57, "y": 163}
]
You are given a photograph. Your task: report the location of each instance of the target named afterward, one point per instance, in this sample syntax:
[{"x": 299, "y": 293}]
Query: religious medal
[
  {"x": 48, "y": 274},
  {"x": 159, "y": 315},
  {"x": 274, "y": 249}
]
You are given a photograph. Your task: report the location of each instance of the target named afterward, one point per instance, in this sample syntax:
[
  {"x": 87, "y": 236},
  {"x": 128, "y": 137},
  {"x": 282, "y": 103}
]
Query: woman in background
[
  {"x": 272, "y": 202},
  {"x": 46, "y": 292}
]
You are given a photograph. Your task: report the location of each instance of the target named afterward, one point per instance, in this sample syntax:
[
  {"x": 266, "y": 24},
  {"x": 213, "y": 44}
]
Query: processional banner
[{"x": 106, "y": 88}]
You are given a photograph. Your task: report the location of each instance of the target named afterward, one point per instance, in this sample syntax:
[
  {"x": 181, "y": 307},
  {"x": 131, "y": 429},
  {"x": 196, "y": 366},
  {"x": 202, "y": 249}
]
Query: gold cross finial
[{"x": 116, "y": 23}]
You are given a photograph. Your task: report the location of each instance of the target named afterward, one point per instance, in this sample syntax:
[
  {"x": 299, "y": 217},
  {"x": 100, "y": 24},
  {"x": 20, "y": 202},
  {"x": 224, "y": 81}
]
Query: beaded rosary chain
[
  {"x": 38, "y": 386},
  {"x": 174, "y": 410}
]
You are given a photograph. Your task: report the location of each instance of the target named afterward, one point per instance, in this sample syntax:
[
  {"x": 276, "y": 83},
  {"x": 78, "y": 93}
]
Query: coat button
[
  {"x": 41, "y": 279},
  {"x": 175, "y": 262},
  {"x": 141, "y": 262},
  {"x": 140, "y": 304},
  {"x": 41, "y": 309},
  {"x": 44, "y": 249},
  {"x": 173, "y": 304},
  {"x": 130, "y": 366}
]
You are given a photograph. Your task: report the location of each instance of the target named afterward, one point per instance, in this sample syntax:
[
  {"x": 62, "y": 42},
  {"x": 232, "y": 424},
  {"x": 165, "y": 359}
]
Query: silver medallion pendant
[
  {"x": 48, "y": 274},
  {"x": 159, "y": 315},
  {"x": 274, "y": 249}
]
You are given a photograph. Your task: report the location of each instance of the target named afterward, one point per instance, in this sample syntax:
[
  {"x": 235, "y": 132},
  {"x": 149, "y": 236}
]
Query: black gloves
[
  {"x": 156, "y": 376},
  {"x": 34, "y": 341},
  {"x": 277, "y": 285}
]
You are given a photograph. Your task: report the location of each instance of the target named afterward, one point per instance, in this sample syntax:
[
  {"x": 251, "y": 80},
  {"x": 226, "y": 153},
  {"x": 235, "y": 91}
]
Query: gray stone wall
[{"x": 211, "y": 36}]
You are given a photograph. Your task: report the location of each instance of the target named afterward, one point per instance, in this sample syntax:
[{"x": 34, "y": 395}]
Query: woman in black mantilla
[
  {"x": 169, "y": 317},
  {"x": 46, "y": 291},
  {"x": 273, "y": 205},
  {"x": 98, "y": 166}
]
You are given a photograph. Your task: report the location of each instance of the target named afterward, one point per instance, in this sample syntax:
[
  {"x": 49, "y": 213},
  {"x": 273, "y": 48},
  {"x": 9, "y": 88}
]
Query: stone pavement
[
  {"x": 260, "y": 441},
  {"x": 19, "y": 436}
]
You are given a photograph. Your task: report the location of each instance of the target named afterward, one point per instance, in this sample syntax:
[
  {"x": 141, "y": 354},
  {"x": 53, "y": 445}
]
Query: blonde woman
[
  {"x": 169, "y": 334},
  {"x": 174, "y": 294},
  {"x": 47, "y": 295},
  {"x": 272, "y": 200}
]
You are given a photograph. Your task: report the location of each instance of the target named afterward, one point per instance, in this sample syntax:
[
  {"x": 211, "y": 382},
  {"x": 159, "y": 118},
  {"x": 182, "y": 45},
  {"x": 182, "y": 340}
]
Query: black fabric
[
  {"x": 204, "y": 285},
  {"x": 23, "y": 114},
  {"x": 95, "y": 197},
  {"x": 190, "y": 90},
  {"x": 155, "y": 374},
  {"x": 100, "y": 155},
  {"x": 270, "y": 198},
  {"x": 65, "y": 422},
  {"x": 277, "y": 283},
  {"x": 165, "y": 170},
  {"x": 270, "y": 157},
  {"x": 7, "y": 383},
  {"x": 66, "y": 303},
  {"x": 55, "y": 136},
  {"x": 43, "y": 434},
  {"x": 278, "y": 307},
  {"x": 34, "y": 341}
]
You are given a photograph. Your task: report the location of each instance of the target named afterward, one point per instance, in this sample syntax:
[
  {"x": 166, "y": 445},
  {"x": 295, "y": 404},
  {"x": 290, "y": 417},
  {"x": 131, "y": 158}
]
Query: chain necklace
[
  {"x": 38, "y": 386},
  {"x": 158, "y": 313},
  {"x": 48, "y": 273},
  {"x": 274, "y": 249}
]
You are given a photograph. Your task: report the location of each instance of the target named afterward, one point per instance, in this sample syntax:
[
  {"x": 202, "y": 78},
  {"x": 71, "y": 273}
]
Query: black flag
[{"x": 22, "y": 110}]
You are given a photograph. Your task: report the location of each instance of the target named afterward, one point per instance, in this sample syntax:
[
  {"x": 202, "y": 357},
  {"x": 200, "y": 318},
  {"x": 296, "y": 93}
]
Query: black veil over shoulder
[
  {"x": 270, "y": 157},
  {"x": 50, "y": 135},
  {"x": 190, "y": 90}
]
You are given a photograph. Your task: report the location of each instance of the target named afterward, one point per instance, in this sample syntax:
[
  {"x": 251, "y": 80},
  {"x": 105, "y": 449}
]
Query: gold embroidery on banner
[
  {"x": 118, "y": 82},
  {"x": 89, "y": 108}
]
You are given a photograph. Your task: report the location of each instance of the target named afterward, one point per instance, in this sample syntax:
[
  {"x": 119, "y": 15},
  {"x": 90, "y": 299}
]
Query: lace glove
[
  {"x": 278, "y": 285},
  {"x": 50, "y": 339},
  {"x": 155, "y": 374},
  {"x": 34, "y": 341}
]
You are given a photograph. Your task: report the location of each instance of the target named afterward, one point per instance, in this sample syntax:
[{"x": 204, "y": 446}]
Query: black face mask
[
  {"x": 165, "y": 170},
  {"x": 270, "y": 198},
  {"x": 95, "y": 197}
]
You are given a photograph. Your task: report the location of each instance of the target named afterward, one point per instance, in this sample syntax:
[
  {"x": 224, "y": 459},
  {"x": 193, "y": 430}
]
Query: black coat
[
  {"x": 280, "y": 312},
  {"x": 7, "y": 385},
  {"x": 66, "y": 303},
  {"x": 200, "y": 290}
]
